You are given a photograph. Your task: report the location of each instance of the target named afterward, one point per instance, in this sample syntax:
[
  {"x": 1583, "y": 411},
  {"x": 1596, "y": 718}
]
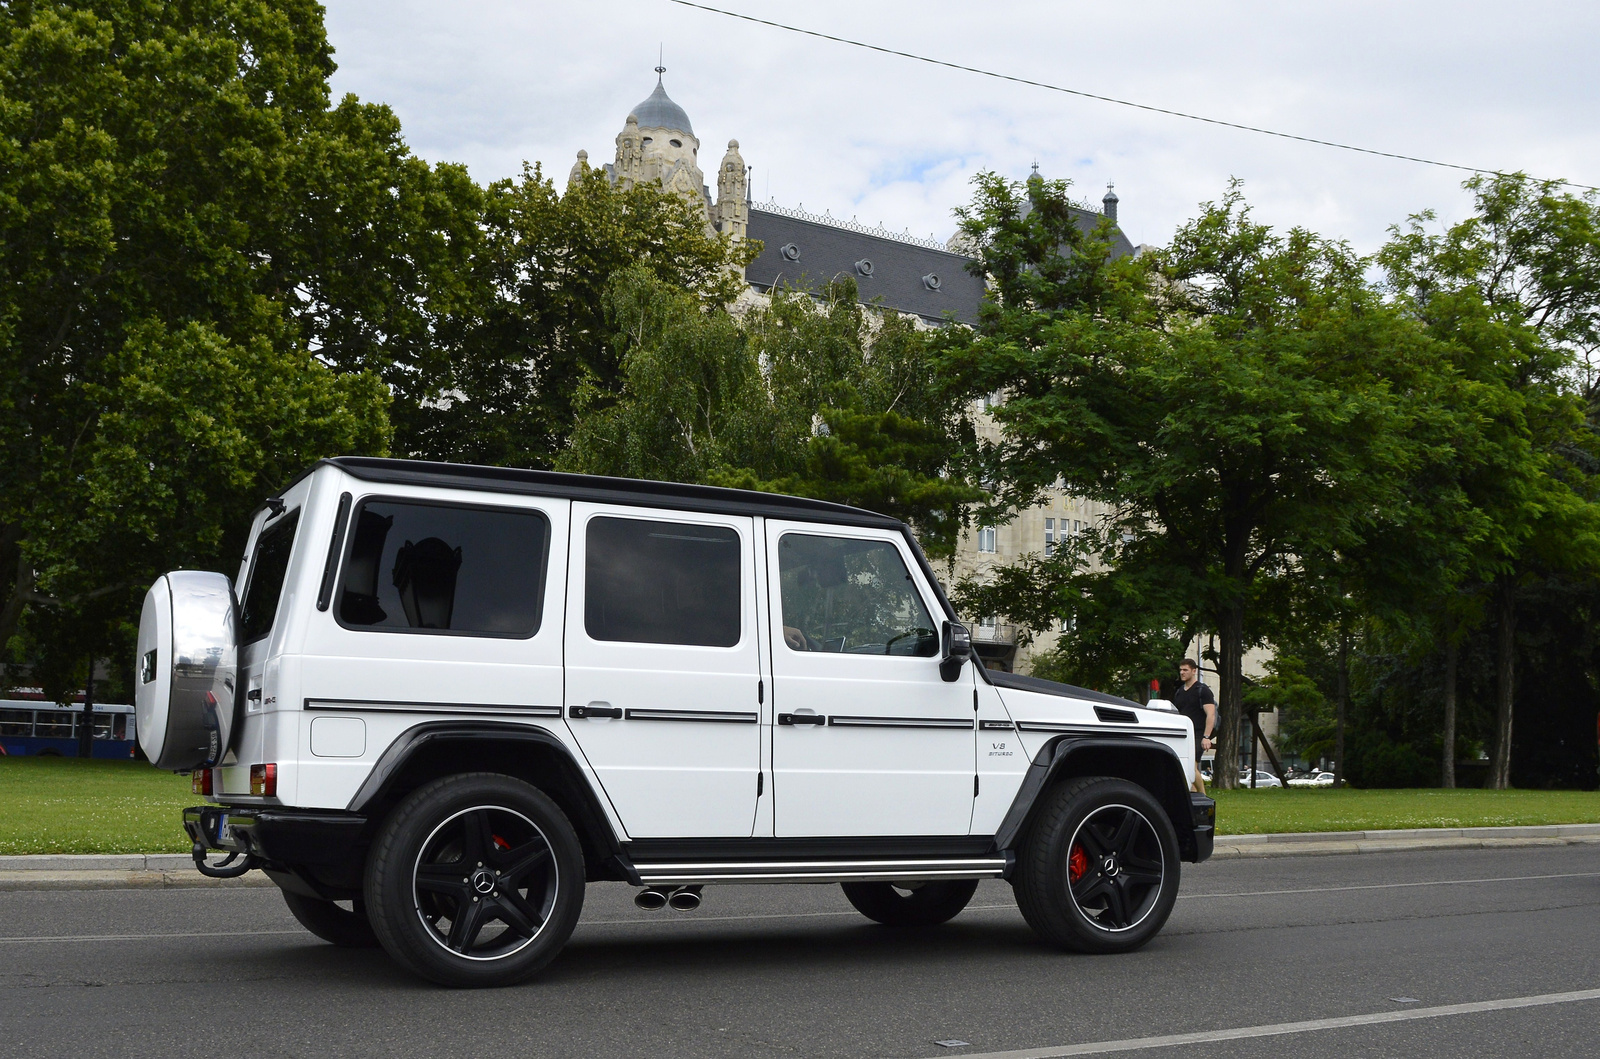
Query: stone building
[{"x": 921, "y": 278}]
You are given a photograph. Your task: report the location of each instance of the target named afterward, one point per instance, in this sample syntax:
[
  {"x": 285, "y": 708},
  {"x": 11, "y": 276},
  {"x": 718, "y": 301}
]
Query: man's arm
[{"x": 1210, "y": 703}]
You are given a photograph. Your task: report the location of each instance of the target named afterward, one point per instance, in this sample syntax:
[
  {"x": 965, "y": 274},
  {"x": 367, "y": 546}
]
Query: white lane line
[
  {"x": 1279, "y": 1029},
  {"x": 151, "y": 937},
  {"x": 1389, "y": 886}
]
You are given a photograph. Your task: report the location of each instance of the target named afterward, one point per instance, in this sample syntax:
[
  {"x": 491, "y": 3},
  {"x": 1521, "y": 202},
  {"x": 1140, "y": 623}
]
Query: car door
[
  {"x": 869, "y": 739},
  {"x": 664, "y": 667}
]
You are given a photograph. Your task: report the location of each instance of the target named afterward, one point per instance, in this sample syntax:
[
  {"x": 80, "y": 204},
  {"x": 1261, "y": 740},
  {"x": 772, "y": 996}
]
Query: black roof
[
  {"x": 883, "y": 268},
  {"x": 640, "y": 493},
  {"x": 896, "y": 268}
]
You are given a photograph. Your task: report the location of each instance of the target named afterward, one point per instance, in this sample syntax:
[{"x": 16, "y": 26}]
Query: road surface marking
[{"x": 1279, "y": 1029}]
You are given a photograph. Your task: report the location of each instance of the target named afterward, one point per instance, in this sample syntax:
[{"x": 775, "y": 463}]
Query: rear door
[
  {"x": 663, "y": 666},
  {"x": 869, "y": 739}
]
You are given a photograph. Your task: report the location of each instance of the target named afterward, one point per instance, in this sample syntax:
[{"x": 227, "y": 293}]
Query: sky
[{"x": 1496, "y": 85}]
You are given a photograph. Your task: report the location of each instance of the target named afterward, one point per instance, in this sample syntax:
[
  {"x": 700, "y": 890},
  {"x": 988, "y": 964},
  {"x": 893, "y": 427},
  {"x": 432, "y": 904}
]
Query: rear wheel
[
  {"x": 346, "y": 928},
  {"x": 912, "y": 904},
  {"x": 475, "y": 880},
  {"x": 1099, "y": 869}
]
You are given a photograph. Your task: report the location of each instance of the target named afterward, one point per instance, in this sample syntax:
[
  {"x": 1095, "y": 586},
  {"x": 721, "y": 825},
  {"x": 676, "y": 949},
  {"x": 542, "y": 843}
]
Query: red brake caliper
[
  {"x": 1077, "y": 864},
  {"x": 501, "y": 843}
]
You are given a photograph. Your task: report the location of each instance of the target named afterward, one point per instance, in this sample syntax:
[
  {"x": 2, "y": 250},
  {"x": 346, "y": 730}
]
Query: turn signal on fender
[{"x": 264, "y": 780}]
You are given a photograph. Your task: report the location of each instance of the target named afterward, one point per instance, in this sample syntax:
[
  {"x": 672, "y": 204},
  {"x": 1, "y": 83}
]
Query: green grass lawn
[
  {"x": 1277, "y": 810},
  {"x": 64, "y": 805},
  {"x": 69, "y": 805}
]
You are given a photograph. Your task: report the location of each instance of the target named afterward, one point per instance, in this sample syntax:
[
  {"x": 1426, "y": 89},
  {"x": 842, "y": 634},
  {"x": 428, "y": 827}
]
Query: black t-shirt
[{"x": 1191, "y": 702}]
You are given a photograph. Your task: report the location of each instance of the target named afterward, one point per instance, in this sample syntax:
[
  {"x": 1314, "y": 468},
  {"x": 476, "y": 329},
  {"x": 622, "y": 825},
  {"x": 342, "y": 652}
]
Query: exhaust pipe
[
  {"x": 651, "y": 899},
  {"x": 685, "y": 898}
]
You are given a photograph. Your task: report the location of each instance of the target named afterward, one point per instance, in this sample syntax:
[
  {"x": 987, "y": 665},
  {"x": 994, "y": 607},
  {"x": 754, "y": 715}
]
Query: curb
[
  {"x": 121, "y": 871},
  {"x": 1333, "y": 843}
]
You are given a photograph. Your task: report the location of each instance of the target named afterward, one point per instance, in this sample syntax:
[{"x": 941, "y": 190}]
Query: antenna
[{"x": 661, "y": 62}]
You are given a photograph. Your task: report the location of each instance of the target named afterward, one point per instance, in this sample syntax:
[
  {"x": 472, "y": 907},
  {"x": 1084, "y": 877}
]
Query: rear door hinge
[
  {"x": 974, "y": 786},
  {"x": 761, "y": 778}
]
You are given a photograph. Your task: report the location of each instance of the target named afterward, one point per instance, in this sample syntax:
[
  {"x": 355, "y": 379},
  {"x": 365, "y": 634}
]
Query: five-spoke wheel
[
  {"x": 1099, "y": 869},
  {"x": 475, "y": 880}
]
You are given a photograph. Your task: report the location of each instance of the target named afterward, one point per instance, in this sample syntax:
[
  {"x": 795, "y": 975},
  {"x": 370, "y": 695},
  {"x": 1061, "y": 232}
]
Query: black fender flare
[
  {"x": 1192, "y": 815},
  {"x": 589, "y": 817}
]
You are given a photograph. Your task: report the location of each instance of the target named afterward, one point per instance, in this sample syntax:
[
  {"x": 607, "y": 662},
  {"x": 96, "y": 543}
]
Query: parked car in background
[{"x": 1263, "y": 779}]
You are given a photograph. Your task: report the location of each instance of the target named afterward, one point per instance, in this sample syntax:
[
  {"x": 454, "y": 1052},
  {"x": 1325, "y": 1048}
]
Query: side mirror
[{"x": 955, "y": 649}]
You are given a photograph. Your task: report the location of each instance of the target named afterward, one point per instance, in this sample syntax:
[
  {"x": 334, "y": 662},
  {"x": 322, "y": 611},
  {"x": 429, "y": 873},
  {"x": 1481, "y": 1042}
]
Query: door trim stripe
[
  {"x": 714, "y": 716},
  {"x": 361, "y": 705},
  {"x": 838, "y": 721}
]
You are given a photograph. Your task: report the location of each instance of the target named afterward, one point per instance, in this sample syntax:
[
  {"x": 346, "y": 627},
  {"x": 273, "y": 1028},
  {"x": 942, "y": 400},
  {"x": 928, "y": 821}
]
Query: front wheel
[
  {"x": 1099, "y": 869},
  {"x": 911, "y": 904},
  {"x": 475, "y": 880}
]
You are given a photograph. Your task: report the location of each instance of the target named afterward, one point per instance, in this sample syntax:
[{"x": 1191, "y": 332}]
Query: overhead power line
[{"x": 1110, "y": 99}]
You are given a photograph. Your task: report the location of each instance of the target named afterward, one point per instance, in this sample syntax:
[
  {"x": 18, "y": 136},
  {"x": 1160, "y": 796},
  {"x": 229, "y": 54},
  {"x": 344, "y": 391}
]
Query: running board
[{"x": 788, "y": 871}]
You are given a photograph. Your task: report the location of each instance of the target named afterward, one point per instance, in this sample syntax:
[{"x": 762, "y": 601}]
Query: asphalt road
[{"x": 792, "y": 971}]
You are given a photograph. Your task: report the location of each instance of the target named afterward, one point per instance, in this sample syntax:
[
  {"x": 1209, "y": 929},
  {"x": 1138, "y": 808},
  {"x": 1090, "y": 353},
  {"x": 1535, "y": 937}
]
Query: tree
[
  {"x": 1513, "y": 293},
  {"x": 1242, "y": 400},
  {"x": 522, "y": 344},
  {"x": 190, "y": 235},
  {"x": 814, "y": 397}
]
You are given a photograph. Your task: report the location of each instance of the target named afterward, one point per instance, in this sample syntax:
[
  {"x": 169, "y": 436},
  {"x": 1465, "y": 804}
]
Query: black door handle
[
  {"x": 801, "y": 718},
  {"x": 595, "y": 711}
]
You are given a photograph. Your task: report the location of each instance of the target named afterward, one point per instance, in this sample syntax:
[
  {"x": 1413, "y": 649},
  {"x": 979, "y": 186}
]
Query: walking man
[{"x": 1195, "y": 701}]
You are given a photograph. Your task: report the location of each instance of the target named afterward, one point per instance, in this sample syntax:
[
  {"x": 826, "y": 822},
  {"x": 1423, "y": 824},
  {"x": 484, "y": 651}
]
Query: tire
[
  {"x": 1098, "y": 871},
  {"x": 911, "y": 904},
  {"x": 346, "y": 929},
  {"x": 475, "y": 880}
]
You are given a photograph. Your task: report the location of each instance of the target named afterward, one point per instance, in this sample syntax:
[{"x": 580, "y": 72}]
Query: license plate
[{"x": 224, "y": 831}]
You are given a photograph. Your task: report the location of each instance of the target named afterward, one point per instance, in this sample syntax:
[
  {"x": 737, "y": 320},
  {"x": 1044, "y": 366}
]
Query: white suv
[{"x": 448, "y": 697}]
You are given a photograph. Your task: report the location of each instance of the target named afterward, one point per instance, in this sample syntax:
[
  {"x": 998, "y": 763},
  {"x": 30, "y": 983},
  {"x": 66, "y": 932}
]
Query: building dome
[{"x": 660, "y": 112}]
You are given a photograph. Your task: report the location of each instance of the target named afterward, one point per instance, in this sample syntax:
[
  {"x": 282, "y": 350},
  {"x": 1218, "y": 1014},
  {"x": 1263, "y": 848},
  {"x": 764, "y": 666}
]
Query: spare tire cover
[{"x": 185, "y": 695}]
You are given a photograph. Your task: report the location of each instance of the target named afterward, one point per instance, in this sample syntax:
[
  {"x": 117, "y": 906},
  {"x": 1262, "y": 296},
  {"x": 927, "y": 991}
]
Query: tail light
[
  {"x": 264, "y": 780},
  {"x": 200, "y": 782}
]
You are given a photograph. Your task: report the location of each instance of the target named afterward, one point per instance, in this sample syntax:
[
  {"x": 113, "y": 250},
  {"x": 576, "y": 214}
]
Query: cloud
[{"x": 492, "y": 83}]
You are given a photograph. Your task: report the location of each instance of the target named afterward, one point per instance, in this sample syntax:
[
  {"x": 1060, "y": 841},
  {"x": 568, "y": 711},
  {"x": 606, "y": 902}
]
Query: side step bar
[{"x": 685, "y": 872}]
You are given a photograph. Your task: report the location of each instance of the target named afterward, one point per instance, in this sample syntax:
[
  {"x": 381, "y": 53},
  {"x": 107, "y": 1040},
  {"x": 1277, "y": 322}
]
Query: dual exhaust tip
[{"x": 684, "y": 898}]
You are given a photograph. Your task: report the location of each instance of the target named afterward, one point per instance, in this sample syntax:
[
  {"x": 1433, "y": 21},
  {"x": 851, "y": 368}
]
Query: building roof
[
  {"x": 908, "y": 277},
  {"x": 804, "y": 252},
  {"x": 660, "y": 112}
]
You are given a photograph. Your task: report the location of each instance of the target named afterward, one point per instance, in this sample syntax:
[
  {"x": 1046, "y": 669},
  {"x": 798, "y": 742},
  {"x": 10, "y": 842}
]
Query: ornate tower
[
  {"x": 733, "y": 194},
  {"x": 658, "y": 143}
]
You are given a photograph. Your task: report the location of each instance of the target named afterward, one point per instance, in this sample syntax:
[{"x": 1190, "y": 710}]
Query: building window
[
  {"x": 1050, "y": 536},
  {"x": 986, "y": 541},
  {"x": 989, "y": 623},
  {"x": 1077, "y": 527},
  {"x": 994, "y": 400}
]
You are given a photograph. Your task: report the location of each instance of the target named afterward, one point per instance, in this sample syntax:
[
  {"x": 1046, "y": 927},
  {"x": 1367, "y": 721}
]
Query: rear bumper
[
  {"x": 320, "y": 851},
  {"x": 1203, "y": 812}
]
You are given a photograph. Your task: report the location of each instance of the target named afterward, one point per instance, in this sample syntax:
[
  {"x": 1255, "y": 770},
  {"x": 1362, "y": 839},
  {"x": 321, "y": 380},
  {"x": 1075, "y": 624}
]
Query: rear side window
[
  {"x": 417, "y": 567},
  {"x": 267, "y": 572},
  {"x": 661, "y": 582}
]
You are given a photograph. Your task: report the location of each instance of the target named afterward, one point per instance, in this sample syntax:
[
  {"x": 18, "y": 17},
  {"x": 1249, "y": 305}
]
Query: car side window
[
  {"x": 441, "y": 568},
  {"x": 661, "y": 582},
  {"x": 847, "y": 596},
  {"x": 267, "y": 572}
]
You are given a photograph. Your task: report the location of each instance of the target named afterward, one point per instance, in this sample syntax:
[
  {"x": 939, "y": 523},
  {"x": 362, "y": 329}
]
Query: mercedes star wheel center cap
[
  {"x": 1111, "y": 864},
  {"x": 483, "y": 881}
]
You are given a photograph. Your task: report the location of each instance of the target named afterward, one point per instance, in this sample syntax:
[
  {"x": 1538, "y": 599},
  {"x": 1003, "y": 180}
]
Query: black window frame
[
  {"x": 894, "y": 544},
  {"x": 292, "y": 515},
  {"x": 352, "y": 518}
]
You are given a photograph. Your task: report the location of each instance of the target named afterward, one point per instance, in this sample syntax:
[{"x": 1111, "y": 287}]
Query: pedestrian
[{"x": 1195, "y": 701}]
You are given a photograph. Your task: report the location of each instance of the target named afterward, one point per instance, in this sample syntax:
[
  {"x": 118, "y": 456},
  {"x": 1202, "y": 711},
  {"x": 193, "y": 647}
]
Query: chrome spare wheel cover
[{"x": 186, "y": 670}]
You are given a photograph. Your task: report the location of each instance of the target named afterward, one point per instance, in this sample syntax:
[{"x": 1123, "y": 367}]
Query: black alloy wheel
[
  {"x": 911, "y": 904},
  {"x": 1114, "y": 867},
  {"x": 475, "y": 880},
  {"x": 1099, "y": 869}
]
